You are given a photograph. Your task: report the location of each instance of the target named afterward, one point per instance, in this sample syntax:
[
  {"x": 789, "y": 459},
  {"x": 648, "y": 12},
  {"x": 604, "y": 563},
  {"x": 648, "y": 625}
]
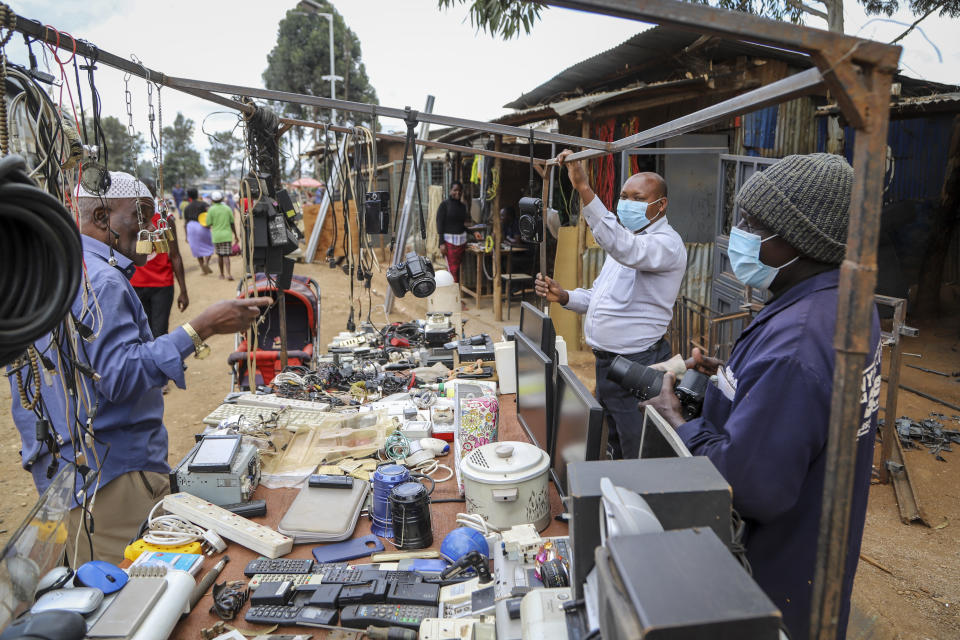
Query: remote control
[
  {"x": 250, "y": 509},
  {"x": 361, "y": 616},
  {"x": 330, "y": 482},
  {"x": 339, "y": 573},
  {"x": 278, "y": 565},
  {"x": 291, "y": 615},
  {"x": 298, "y": 579},
  {"x": 422, "y": 593}
]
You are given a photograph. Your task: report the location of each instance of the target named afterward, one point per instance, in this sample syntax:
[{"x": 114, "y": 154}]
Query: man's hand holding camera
[{"x": 666, "y": 402}]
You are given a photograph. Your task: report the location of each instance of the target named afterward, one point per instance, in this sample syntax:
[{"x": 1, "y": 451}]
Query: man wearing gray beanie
[{"x": 765, "y": 424}]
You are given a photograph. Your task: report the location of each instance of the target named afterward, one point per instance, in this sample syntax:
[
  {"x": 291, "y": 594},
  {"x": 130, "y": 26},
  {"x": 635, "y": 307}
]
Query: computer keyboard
[
  {"x": 288, "y": 418},
  {"x": 275, "y": 402}
]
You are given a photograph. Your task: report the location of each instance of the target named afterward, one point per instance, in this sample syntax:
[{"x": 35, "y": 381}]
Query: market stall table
[
  {"x": 476, "y": 249},
  {"x": 443, "y": 516}
]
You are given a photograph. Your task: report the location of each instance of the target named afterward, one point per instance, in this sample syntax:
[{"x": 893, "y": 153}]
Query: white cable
[
  {"x": 430, "y": 467},
  {"x": 170, "y": 530},
  {"x": 477, "y": 522}
]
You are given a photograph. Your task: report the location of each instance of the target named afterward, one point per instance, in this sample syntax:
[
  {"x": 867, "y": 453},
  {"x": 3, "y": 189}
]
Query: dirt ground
[{"x": 916, "y": 593}]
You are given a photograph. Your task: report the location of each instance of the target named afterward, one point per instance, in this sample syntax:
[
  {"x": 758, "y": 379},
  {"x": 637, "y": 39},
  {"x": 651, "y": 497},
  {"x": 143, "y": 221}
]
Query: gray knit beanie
[{"x": 806, "y": 200}]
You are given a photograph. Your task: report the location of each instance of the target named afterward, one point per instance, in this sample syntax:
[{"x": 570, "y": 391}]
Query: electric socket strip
[{"x": 257, "y": 537}]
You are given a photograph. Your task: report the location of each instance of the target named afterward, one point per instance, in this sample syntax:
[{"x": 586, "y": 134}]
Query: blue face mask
[
  {"x": 744, "y": 252},
  {"x": 633, "y": 214}
]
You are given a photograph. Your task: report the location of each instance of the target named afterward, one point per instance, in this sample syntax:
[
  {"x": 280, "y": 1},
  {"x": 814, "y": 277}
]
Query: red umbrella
[{"x": 305, "y": 183}]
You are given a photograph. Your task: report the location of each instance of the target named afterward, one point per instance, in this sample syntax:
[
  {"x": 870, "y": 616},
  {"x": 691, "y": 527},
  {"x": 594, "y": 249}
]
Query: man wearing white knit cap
[{"x": 126, "y": 459}]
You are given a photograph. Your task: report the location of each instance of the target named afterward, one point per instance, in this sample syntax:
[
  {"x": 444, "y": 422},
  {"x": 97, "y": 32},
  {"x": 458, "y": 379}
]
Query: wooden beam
[{"x": 497, "y": 234}]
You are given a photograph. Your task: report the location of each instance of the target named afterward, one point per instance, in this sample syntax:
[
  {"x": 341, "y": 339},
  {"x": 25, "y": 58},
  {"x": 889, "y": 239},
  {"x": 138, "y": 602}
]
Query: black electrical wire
[{"x": 40, "y": 260}]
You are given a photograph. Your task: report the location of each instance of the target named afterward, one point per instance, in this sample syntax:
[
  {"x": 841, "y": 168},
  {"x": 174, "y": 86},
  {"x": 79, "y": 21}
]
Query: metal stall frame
[{"x": 857, "y": 72}]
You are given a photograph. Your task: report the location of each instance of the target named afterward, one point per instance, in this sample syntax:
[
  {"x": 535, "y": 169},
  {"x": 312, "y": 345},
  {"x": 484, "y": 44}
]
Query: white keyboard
[
  {"x": 271, "y": 401},
  {"x": 290, "y": 418}
]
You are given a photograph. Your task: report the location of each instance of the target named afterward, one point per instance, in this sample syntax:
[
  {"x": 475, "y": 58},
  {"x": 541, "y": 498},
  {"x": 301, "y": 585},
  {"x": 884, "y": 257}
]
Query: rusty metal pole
[
  {"x": 858, "y": 277},
  {"x": 889, "y": 432},
  {"x": 545, "y": 198},
  {"x": 497, "y": 236}
]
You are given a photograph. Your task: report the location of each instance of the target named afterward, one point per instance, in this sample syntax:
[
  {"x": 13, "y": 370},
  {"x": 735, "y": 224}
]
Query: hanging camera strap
[{"x": 410, "y": 146}]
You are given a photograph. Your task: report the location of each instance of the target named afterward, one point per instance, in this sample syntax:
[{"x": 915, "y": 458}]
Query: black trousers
[
  {"x": 624, "y": 419},
  {"x": 157, "y": 302}
]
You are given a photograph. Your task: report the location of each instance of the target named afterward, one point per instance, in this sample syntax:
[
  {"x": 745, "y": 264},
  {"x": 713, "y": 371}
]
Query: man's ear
[{"x": 101, "y": 217}]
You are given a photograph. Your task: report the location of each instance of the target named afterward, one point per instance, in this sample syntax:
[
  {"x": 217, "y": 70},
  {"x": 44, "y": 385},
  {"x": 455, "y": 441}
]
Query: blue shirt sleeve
[
  {"x": 123, "y": 354},
  {"x": 777, "y": 424}
]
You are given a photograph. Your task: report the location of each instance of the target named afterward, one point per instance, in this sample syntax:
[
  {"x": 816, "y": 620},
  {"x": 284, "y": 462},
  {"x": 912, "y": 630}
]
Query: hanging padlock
[
  {"x": 168, "y": 234},
  {"x": 144, "y": 242},
  {"x": 160, "y": 244}
]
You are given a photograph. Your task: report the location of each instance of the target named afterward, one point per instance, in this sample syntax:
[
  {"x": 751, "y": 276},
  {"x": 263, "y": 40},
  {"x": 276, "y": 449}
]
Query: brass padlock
[
  {"x": 168, "y": 232},
  {"x": 160, "y": 244},
  {"x": 144, "y": 242}
]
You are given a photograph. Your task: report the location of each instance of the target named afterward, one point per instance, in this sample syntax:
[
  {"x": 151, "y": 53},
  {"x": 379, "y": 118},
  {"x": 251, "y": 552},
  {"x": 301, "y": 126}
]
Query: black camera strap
[
  {"x": 533, "y": 185},
  {"x": 410, "y": 146}
]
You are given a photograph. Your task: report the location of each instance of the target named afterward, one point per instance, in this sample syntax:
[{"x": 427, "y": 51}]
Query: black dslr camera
[
  {"x": 414, "y": 274},
  {"x": 646, "y": 382},
  {"x": 376, "y": 212},
  {"x": 531, "y": 219}
]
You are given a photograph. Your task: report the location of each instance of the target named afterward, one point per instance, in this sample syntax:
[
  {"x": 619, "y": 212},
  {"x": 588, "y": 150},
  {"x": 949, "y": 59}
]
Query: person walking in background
[
  {"x": 198, "y": 235},
  {"x": 178, "y": 193},
  {"x": 452, "y": 229},
  {"x": 222, "y": 232}
]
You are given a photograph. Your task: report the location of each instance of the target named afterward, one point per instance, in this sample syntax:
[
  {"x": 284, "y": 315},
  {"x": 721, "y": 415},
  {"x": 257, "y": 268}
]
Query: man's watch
[{"x": 200, "y": 348}]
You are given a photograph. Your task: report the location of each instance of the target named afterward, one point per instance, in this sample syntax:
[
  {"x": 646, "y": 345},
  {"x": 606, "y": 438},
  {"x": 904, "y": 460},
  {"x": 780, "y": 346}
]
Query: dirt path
[{"x": 915, "y": 596}]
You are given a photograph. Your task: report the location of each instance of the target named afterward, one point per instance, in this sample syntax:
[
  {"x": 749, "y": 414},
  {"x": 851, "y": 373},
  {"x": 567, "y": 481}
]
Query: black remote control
[
  {"x": 291, "y": 615},
  {"x": 361, "y": 616},
  {"x": 250, "y": 509},
  {"x": 330, "y": 482},
  {"x": 339, "y": 573},
  {"x": 279, "y": 565},
  {"x": 422, "y": 593}
]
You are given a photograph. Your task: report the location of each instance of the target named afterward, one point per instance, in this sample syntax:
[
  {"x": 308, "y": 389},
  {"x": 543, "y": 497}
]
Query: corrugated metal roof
[{"x": 650, "y": 56}]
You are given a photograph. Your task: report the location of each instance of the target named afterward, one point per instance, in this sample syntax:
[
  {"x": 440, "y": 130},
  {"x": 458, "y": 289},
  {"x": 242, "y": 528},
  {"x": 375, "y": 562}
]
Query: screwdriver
[{"x": 374, "y": 633}]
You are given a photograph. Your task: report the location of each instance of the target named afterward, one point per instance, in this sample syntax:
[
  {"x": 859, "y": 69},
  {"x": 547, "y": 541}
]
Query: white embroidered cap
[{"x": 122, "y": 185}]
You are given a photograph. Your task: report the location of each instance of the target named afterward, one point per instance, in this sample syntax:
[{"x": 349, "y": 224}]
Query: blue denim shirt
[
  {"x": 769, "y": 441},
  {"x": 133, "y": 368}
]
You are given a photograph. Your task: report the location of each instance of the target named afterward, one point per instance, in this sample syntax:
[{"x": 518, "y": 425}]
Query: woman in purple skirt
[{"x": 198, "y": 234}]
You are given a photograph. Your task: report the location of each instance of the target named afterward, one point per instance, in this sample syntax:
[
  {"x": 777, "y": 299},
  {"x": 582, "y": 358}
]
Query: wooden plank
[
  {"x": 567, "y": 273},
  {"x": 497, "y": 237}
]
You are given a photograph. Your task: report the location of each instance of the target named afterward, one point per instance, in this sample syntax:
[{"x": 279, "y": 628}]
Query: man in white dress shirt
[{"x": 631, "y": 302}]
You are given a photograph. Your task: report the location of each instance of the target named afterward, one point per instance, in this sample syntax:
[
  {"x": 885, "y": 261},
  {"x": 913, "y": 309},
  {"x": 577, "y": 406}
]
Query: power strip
[{"x": 257, "y": 537}]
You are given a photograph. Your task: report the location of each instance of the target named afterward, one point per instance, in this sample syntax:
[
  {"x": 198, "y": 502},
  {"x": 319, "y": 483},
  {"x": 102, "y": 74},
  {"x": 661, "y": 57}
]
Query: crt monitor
[
  {"x": 534, "y": 392},
  {"x": 538, "y": 326},
  {"x": 658, "y": 439},
  {"x": 578, "y": 421}
]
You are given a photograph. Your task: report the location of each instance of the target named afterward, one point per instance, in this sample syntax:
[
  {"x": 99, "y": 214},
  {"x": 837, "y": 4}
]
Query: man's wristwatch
[{"x": 200, "y": 348}]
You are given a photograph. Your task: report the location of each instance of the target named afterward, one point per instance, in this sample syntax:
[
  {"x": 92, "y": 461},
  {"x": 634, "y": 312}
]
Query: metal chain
[
  {"x": 154, "y": 144},
  {"x": 7, "y": 19},
  {"x": 132, "y": 132}
]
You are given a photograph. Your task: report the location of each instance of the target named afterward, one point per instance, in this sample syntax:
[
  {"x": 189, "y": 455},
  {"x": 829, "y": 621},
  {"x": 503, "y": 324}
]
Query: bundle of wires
[{"x": 41, "y": 260}]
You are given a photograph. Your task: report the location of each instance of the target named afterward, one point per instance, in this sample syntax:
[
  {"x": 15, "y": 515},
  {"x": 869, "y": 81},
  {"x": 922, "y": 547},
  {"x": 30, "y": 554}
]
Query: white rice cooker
[{"x": 506, "y": 483}]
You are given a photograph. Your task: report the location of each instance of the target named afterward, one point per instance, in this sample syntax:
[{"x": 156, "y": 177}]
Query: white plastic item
[
  {"x": 505, "y": 354},
  {"x": 166, "y": 612},
  {"x": 446, "y": 297},
  {"x": 561, "y": 350},
  {"x": 257, "y": 537},
  {"x": 506, "y": 483},
  {"x": 542, "y": 614}
]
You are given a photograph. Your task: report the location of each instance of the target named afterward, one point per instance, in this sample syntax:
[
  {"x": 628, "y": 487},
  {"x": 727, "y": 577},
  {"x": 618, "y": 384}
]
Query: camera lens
[{"x": 642, "y": 381}]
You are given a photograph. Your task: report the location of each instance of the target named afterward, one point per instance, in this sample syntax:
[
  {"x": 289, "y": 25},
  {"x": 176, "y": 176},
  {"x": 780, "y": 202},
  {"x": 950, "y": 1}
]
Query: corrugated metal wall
[
  {"x": 699, "y": 274},
  {"x": 778, "y": 130}
]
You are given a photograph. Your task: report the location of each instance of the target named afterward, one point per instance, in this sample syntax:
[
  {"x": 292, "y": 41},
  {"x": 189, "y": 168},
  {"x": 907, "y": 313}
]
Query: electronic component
[
  {"x": 290, "y": 615},
  {"x": 338, "y": 573},
  {"x": 513, "y": 575},
  {"x": 530, "y": 221},
  {"x": 410, "y": 514},
  {"x": 521, "y": 543},
  {"x": 417, "y": 429},
  {"x": 414, "y": 274},
  {"x": 424, "y": 593},
  {"x": 445, "y": 629},
  {"x": 210, "y": 480},
  {"x": 292, "y": 418},
  {"x": 100, "y": 575},
  {"x": 272, "y": 593},
  {"x": 376, "y": 212},
  {"x": 455, "y": 598},
  {"x": 254, "y": 536},
  {"x": 134, "y": 549},
  {"x": 360, "y": 616},
  {"x": 438, "y": 330},
  {"x": 478, "y": 347},
  {"x": 279, "y": 565},
  {"x": 271, "y": 401},
  {"x": 250, "y": 509},
  {"x": 330, "y": 482},
  {"x": 297, "y": 579},
  {"x": 371, "y": 591},
  {"x": 82, "y": 600},
  {"x": 542, "y": 613},
  {"x": 385, "y": 478},
  {"x": 325, "y": 595},
  {"x": 214, "y": 453}
]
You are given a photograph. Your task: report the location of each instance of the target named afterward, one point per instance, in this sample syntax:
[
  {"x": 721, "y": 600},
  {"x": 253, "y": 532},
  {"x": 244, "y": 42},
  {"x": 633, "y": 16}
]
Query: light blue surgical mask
[
  {"x": 633, "y": 214},
  {"x": 744, "y": 252}
]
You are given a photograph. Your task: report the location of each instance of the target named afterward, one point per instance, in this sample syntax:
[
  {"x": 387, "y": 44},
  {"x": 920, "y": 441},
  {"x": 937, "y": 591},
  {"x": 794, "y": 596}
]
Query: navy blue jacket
[{"x": 769, "y": 441}]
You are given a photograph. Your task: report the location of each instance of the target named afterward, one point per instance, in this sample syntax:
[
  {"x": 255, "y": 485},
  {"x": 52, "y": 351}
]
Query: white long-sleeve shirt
[{"x": 631, "y": 302}]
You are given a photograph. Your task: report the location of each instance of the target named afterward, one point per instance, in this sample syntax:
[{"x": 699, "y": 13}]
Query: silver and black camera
[
  {"x": 414, "y": 274},
  {"x": 376, "y": 212},
  {"x": 531, "y": 219}
]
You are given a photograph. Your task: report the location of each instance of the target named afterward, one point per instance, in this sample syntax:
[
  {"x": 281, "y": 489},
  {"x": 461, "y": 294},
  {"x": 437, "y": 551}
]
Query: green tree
[
  {"x": 507, "y": 17},
  {"x": 181, "y": 161},
  {"x": 224, "y": 150},
  {"x": 123, "y": 150},
  {"x": 301, "y": 58}
]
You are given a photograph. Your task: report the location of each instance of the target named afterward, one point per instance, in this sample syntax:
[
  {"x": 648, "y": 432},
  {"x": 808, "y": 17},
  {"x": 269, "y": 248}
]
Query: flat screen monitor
[
  {"x": 577, "y": 426},
  {"x": 658, "y": 439},
  {"x": 534, "y": 392},
  {"x": 538, "y": 326}
]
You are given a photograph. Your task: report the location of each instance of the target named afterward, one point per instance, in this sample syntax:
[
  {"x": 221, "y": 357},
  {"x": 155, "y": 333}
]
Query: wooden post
[
  {"x": 581, "y": 248},
  {"x": 497, "y": 236}
]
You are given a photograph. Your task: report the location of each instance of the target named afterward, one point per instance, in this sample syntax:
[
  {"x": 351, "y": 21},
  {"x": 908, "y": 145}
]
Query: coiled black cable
[{"x": 41, "y": 260}]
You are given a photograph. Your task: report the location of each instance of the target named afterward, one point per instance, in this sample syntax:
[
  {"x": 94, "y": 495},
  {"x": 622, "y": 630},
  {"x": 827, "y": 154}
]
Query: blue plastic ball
[{"x": 462, "y": 541}]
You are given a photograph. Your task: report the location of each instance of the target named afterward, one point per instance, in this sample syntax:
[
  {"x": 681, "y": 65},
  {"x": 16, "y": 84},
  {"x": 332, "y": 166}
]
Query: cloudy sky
[{"x": 410, "y": 49}]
